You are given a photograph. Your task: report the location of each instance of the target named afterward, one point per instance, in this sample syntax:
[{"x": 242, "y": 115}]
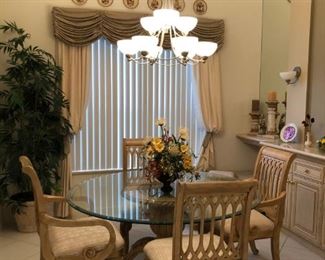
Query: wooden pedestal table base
[{"x": 124, "y": 230}]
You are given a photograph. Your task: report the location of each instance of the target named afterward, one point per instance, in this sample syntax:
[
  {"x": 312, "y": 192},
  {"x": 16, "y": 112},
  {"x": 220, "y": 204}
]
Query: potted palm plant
[{"x": 31, "y": 120}]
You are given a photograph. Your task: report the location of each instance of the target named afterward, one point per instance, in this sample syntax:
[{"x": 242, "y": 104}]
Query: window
[{"x": 125, "y": 100}]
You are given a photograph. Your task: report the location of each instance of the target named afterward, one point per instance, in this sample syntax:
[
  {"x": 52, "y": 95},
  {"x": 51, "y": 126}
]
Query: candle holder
[
  {"x": 255, "y": 116},
  {"x": 272, "y": 114}
]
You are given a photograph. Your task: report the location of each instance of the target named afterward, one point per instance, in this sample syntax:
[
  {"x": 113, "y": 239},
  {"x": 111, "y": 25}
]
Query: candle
[
  {"x": 255, "y": 105},
  {"x": 271, "y": 96}
]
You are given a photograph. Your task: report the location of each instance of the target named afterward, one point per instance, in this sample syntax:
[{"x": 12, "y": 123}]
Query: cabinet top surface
[{"x": 297, "y": 148}]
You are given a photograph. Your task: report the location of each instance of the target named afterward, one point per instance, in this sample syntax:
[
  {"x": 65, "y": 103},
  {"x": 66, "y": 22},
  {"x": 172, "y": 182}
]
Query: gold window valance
[{"x": 79, "y": 27}]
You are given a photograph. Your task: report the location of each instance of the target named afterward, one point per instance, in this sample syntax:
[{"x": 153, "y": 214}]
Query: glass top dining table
[{"x": 106, "y": 197}]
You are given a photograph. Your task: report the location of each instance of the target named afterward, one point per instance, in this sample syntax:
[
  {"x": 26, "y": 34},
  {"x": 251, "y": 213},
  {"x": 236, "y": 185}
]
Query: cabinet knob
[{"x": 307, "y": 171}]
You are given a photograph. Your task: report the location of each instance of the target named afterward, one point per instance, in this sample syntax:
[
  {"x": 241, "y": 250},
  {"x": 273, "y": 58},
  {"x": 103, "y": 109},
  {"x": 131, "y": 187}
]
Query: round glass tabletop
[{"x": 106, "y": 197}]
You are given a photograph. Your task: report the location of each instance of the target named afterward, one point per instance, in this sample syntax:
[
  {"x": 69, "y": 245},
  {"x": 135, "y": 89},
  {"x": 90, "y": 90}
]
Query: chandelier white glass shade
[{"x": 147, "y": 49}]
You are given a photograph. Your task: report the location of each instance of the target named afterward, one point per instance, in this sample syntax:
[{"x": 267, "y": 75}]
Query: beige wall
[
  {"x": 298, "y": 55},
  {"x": 316, "y": 82},
  {"x": 240, "y": 59},
  {"x": 274, "y": 58}
]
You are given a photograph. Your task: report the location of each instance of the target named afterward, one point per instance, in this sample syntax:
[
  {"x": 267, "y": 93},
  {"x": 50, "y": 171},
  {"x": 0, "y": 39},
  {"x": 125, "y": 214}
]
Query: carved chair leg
[
  {"x": 253, "y": 247},
  {"x": 275, "y": 246}
]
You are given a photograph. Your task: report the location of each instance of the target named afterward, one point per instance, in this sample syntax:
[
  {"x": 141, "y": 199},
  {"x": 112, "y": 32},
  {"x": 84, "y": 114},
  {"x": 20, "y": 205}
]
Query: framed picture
[{"x": 288, "y": 133}]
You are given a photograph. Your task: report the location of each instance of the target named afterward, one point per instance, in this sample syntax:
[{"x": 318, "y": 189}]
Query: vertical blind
[{"x": 126, "y": 99}]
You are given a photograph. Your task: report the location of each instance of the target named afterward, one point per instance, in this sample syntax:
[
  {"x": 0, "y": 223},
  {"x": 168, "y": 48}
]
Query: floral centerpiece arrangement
[
  {"x": 168, "y": 157},
  {"x": 321, "y": 143}
]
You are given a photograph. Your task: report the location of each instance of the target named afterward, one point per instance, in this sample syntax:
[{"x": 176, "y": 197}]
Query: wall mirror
[{"x": 275, "y": 46}]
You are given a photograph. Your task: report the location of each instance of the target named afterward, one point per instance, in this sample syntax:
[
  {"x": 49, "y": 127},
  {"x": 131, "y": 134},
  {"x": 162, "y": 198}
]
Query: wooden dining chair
[
  {"x": 271, "y": 170},
  {"x": 86, "y": 238},
  {"x": 133, "y": 162},
  {"x": 202, "y": 203}
]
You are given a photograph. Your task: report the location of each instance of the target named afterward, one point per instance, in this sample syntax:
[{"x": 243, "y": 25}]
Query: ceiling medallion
[
  {"x": 179, "y": 5},
  {"x": 131, "y": 4},
  {"x": 105, "y": 3},
  {"x": 154, "y": 4},
  {"x": 79, "y": 2},
  {"x": 200, "y": 7}
]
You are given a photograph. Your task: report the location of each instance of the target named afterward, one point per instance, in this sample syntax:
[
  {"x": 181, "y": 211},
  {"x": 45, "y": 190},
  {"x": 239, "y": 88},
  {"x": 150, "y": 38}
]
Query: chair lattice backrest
[
  {"x": 133, "y": 162},
  {"x": 271, "y": 170},
  {"x": 204, "y": 204}
]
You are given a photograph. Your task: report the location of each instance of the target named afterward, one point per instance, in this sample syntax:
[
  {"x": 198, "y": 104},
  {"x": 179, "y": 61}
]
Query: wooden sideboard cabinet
[
  {"x": 304, "y": 203},
  {"x": 305, "y": 200}
]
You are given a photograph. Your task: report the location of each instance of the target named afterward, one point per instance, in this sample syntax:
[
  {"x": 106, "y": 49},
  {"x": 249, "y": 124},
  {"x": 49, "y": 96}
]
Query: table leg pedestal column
[
  {"x": 124, "y": 229},
  {"x": 162, "y": 231}
]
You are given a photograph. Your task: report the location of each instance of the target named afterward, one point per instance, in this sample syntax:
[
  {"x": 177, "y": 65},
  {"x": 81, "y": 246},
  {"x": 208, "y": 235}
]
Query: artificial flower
[
  {"x": 161, "y": 122},
  {"x": 174, "y": 149},
  {"x": 321, "y": 143},
  {"x": 184, "y": 148},
  {"x": 183, "y": 133}
]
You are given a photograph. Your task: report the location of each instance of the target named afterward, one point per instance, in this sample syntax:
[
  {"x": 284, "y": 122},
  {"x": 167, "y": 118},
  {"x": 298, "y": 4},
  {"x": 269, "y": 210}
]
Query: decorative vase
[
  {"x": 166, "y": 181},
  {"x": 308, "y": 139}
]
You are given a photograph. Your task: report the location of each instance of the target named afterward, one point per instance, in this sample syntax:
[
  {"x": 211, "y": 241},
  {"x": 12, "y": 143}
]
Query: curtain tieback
[{"x": 208, "y": 137}]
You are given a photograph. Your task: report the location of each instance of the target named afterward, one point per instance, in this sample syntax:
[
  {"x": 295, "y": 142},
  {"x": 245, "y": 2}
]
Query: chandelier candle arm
[{"x": 147, "y": 49}]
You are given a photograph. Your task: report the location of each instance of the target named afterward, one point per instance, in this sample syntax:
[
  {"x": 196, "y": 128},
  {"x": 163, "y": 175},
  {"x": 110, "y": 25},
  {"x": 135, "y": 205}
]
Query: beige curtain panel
[
  {"x": 209, "y": 88},
  {"x": 75, "y": 84},
  {"x": 79, "y": 27}
]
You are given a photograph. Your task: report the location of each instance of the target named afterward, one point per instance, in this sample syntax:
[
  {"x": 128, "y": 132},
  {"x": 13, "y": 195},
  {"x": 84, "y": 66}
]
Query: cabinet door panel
[{"x": 305, "y": 218}]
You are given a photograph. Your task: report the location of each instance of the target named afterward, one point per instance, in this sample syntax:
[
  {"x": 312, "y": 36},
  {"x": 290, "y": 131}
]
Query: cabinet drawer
[{"x": 308, "y": 169}]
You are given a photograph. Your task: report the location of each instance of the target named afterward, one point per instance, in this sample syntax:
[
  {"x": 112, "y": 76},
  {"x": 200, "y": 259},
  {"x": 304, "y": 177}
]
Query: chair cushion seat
[
  {"x": 260, "y": 226},
  {"x": 162, "y": 248},
  {"x": 69, "y": 241}
]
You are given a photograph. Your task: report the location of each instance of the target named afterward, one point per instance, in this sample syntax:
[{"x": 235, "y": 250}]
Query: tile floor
[{"x": 25, "y": 246}]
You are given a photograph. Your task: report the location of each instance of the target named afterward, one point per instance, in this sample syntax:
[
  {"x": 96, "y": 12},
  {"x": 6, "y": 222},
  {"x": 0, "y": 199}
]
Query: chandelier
[{"x": 167, "y": 21}]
